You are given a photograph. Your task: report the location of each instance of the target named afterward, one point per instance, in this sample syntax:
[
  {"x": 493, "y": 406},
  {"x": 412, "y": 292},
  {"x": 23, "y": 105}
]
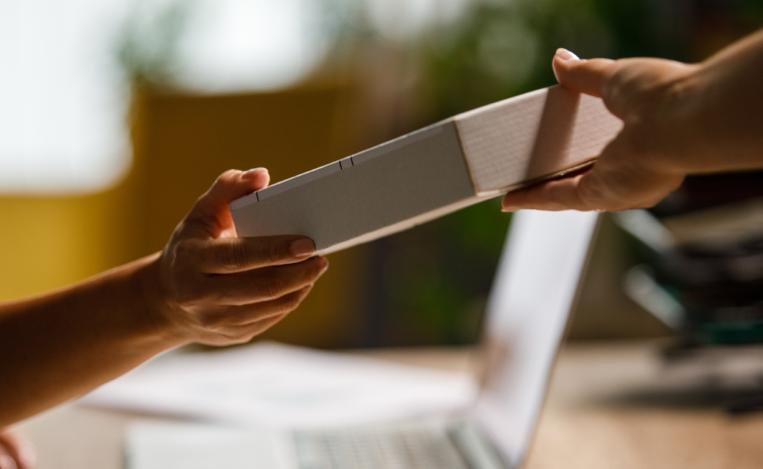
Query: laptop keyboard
[{"x": 378, "y": 449}]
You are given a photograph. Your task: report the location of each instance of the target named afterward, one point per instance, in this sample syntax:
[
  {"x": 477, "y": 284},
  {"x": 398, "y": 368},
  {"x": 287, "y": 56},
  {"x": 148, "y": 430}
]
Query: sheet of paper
[{"x": 283, "y": 386}]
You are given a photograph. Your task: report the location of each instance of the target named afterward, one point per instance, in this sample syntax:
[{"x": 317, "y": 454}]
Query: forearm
[
  {"x": 206, "y": 286},
  {"x": 728, "y": 104},
  {"x": 59, "y": 346}
]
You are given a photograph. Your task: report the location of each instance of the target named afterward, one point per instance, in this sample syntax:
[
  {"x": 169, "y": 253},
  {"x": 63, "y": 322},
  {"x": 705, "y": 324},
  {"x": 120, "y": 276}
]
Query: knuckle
[
  {"x": 227, "y": 177},
  {"x": 630, "y": 91},
  {"x": 613, "y": 89}
]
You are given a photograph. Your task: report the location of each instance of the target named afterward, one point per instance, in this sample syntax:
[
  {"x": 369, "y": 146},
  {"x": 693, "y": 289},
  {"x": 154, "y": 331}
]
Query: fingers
[
  {"x": 231, "y": 185},
  {"x": 583, "y": 76},
  {"x": 210, "y": 281},
  {"x": 561, "y": 194},
  {"x": 613, "y": 183},
  {"x": 15, "y": 452},
  {"x": 240, "y": 324},
  {"x": 240, "y": 317},
  {"x": 634, "y": 169},
  {"x": 244, "y": 316},
  {"x": 245, "y": 334},
  {"x": 594, "y": 189},
  {"x": 231, "y": 255},
  {"x": 596, "y": 77},
  {"x": 258, "y": 285},
  {"x": 212, "y": 208}
]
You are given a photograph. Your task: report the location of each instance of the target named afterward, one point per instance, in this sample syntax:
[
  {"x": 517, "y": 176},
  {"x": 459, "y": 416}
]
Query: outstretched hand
[
  {"x": 632, "y": 170},
  {"x": 678, "y": 119},
  {"x": 206, "y": 285},
  {"x": 218, "y": 289}
]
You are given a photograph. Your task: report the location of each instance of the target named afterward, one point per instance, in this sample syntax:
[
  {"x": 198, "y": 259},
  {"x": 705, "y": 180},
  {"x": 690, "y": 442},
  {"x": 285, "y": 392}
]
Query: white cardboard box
[{"x": 434, "y": 171}]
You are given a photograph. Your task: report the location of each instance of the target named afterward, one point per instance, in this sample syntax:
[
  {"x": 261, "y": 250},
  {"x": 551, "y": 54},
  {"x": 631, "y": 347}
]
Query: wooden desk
[{"x": 608, "y": 408}]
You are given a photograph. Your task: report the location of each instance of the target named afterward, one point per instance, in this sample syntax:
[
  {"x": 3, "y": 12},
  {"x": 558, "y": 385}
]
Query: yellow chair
[{"x": 181, "y": 142}]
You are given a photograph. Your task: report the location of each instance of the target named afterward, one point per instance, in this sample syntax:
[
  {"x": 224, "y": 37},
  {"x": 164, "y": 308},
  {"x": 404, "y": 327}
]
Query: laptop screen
[{"x": 534, "y": 291}]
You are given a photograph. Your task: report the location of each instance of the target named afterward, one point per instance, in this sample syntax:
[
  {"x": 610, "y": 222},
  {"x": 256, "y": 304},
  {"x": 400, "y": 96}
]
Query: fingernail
[
  {"x": 565, "y": 55},
  {"x": 254, "y": 173},
  {"x": 302, "y": 247}
]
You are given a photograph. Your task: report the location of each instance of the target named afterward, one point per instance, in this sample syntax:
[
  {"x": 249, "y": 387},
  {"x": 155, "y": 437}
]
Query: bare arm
[
  {"x": 679, "y": 119},
  {"x": 206, "y": 286}
]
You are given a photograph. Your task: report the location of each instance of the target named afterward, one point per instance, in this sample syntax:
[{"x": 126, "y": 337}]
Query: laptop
[{"x": 534, "y": 290}]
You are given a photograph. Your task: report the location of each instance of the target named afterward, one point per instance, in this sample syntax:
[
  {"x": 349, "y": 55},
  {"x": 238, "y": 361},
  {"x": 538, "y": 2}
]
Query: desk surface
[{"x": 610, "y": 406}]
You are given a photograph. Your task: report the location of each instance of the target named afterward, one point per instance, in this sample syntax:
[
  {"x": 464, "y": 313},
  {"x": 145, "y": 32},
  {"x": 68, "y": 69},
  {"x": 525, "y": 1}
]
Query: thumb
[
  {"x": 584, "y": 76},
  {"x": 591, "y": 76},
  {"x": 212, "y": 206}
]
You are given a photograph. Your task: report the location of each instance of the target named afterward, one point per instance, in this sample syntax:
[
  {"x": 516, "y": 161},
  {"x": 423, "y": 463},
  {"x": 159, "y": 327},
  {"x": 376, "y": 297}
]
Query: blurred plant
[
  {"x": 433, "y": 280},
  {"x": 502, "y": 48},
  {"x": 444, "y": 285},
  {"x": 432, "y": 283}
]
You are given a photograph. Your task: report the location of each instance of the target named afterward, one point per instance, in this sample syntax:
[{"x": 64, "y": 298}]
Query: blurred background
[{"x": 116, "y": 114}]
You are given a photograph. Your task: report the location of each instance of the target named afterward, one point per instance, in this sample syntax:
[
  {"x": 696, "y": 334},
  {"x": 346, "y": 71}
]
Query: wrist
[
  {"x": 708, "y": 119},
  {"x": 157, "y": 308},
  {"x": 679, "y": 118}
]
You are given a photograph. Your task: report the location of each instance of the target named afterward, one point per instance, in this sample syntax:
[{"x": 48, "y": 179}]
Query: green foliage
[
  {"x": 432, "y": 281},
  {"x": 500, "y": 49},
  {"x": 497, "y": 50},
  {"x": 436, "y": 278}
]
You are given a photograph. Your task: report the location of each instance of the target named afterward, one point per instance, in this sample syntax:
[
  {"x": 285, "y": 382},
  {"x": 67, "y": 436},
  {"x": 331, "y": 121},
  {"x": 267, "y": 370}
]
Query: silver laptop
[{"x": 532, "y": 295}]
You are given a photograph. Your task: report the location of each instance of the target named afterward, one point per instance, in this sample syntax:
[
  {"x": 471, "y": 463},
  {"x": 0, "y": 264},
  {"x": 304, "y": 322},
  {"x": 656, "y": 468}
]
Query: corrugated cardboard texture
[
  {"x": 531, "y": 136},
  {"x": 381, "y": 191},
  {"x": 432, "y": 172}
]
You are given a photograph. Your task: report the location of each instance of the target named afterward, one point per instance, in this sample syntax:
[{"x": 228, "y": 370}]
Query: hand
[
  {"x": 15, "y": 453},
  {"x": 678, "y": 119},
  {"x": 639, "y": 167},
  {"x": 218, "y": 289}
]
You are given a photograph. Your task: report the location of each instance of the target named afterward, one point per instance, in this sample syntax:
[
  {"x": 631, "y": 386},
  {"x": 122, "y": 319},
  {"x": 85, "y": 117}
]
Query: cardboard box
[{"x": 434, "y": 171}]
